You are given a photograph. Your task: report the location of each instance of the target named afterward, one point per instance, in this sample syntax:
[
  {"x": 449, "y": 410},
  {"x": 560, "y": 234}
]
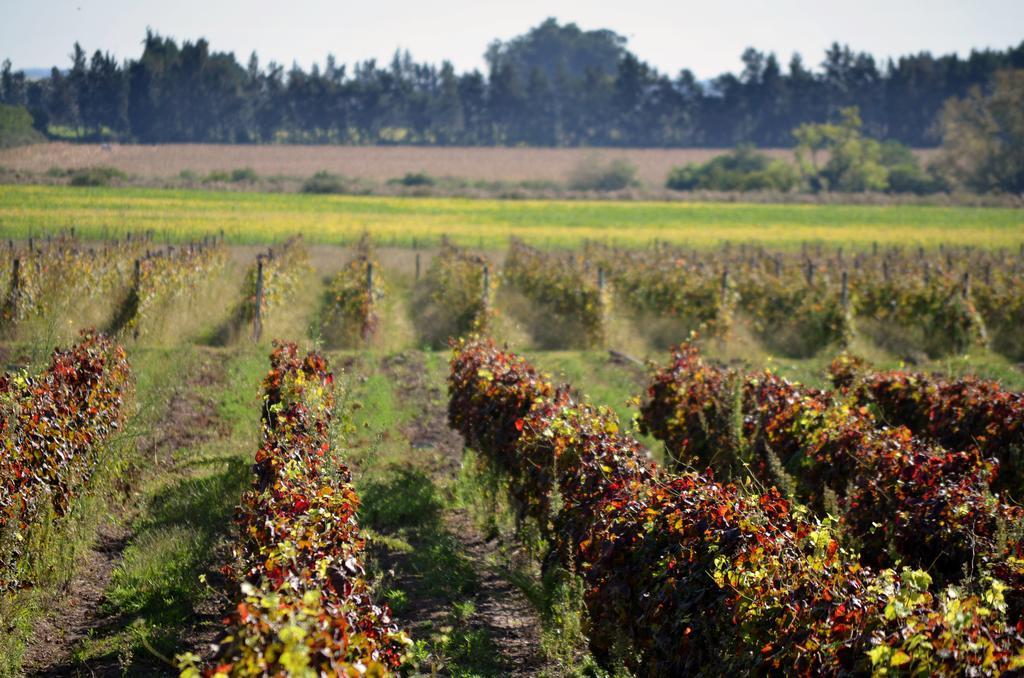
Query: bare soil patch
[
  {"x": 377, "y": 163},
  {"x": 78, "y": 611},
  {"x": 500, "y": 608}
]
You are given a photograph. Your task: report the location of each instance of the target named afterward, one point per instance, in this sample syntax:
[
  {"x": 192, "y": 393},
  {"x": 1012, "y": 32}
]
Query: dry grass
[{"x": 377, "y": 163}]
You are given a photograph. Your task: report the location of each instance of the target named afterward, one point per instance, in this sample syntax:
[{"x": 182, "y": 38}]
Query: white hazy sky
[{"x": 706, "y": 36}]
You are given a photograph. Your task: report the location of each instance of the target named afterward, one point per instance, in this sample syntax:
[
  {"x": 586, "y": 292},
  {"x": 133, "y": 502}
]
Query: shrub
[
  {"x": 415, "y": 179},
  {"x": 742, "y": 169},
  {"x": 216, "y": 176},
  {"x": 911, "y": 178},
  {"x": 684, "y": 177},
  {"x": 16, "y": 127},
  {"x": 325, "y": 182},
  {"x": 595, "y": 175},
  {"x": 97, "y": 176},
  {"x": 244, "y": 174}
]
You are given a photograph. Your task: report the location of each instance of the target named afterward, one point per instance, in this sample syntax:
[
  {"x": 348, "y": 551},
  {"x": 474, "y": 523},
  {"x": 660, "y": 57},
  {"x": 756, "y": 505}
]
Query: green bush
[
  {"x": 854, "y": 162},
  {"x": 325, "y": 182},
  {"x": 684, "y": 177},
  {"x": 96, "y": 176},
  {"x": 415, "y": 179},
  {"x": 244, "y": 174},
  {"x": 594, "y": 175},
  {"x": 16, "y": 127},
  {"x": 911, "y": 178},
  {"x": 217, "y": 176},
  {"x": 743, "y": 169},
  {"x": 905, "y": 172}
]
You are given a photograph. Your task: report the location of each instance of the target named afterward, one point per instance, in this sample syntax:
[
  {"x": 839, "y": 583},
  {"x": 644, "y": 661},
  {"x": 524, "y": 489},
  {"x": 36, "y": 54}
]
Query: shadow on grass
[
  {"x": 155, "y": 591},
  {"x": 433, "y": 582}
]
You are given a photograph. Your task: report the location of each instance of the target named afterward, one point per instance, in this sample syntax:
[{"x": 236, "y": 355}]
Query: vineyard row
[{"x": 686, "y": 573}]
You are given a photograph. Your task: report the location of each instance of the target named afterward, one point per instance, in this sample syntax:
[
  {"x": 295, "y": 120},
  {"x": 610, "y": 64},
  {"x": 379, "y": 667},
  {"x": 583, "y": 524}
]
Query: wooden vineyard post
[
  {"x": 136, "y": 292},
  {"x": 809, "y": 272},
  {"x": 848, "y": 329},
  {"x": 600, "y": 295},
  {"x": 965, "y": 285},
  {"x": 723, "y": 315},
  {"x": 14, "y": 300},
  {"x": 367, "y": 329},
  {"x": 486, "y": 297},
  {"x": 417, "y": 267},
  {"x": 257, "y": 318},
  {"x": 778, "y": 266}
]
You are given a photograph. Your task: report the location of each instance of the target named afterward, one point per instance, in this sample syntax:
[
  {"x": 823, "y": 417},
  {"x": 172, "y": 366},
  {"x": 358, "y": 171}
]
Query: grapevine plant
[
  {"x": 305, "y": 605},
  {"x": 960, "y": 414},
  {"x": 801, "y": 303},
  {"x": 686, "y": 574},
  {"x": 283, "y": 268},
  {"x": 901, "y": 498},
  {"x": 562, "y": 285},
  {"x": 455, "y": 297},
  {"x": 669, "y": 284},
  {"x": 53, "y": 276},
  {"x": 351, "y": 310},
  {"x": 164, "y": 279},
  {"x": 52, "y": 430}
]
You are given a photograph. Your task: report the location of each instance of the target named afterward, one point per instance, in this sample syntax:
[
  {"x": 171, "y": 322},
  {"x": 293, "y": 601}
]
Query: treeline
[{"x": 556, "y": 85}]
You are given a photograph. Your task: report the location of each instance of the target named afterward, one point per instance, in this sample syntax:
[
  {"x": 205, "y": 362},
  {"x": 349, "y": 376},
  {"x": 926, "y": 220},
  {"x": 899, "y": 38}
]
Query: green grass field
[{"x": 254, "y": 217}]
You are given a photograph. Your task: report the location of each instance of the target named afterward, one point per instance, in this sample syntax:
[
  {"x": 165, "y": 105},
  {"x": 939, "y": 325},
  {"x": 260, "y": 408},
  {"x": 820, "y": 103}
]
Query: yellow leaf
[{"x": 899, "y": 658}]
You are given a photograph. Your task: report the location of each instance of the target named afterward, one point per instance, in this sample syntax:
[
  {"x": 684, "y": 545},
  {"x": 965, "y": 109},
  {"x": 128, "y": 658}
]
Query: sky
[{"x": 705, "y": 36}]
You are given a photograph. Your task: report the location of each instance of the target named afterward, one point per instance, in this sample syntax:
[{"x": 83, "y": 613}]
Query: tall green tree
[
  {"x": 854, "y": 162},
  {"x": 983, "y": 135}
]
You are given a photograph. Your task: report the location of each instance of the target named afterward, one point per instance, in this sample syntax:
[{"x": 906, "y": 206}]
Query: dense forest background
[{"x": 557, "y": 85}]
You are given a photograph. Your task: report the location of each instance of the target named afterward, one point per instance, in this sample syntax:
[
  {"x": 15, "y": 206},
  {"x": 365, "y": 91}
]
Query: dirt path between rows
[
  {"x": 501, "y": 608},
  {"x": 189, "y": 420}
]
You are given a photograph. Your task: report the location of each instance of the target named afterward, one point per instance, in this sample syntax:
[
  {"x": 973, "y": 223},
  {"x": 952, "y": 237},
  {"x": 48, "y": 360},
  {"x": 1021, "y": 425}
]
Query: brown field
[{"x": 377, "y": 163}]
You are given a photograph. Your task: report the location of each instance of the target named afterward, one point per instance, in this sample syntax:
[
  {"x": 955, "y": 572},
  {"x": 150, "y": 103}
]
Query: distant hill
[{"x": 39, "y": 73}]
